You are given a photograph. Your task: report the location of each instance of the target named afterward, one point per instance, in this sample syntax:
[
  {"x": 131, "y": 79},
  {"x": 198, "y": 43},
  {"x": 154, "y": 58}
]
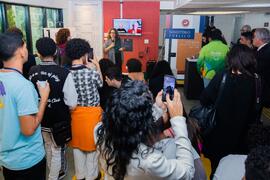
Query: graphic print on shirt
[{"x": 2, "y": 94}]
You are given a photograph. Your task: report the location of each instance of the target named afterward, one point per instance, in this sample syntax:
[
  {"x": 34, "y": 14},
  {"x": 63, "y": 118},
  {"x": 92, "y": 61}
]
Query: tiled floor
[{"x": 187, "y": 104}]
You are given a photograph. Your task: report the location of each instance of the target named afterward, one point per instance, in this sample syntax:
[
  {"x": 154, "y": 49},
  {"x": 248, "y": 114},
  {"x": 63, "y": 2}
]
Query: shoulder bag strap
[
  {"x": 39, "y": 73},
  {"x": 258, "y": 90},
  {"x": 221, "y": 87}
]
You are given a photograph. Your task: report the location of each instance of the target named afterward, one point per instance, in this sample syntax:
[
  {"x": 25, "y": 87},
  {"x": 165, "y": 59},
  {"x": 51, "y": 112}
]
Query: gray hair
[
  {"x": 263, "y": 34},
  {"x": 246, "y": 28}
]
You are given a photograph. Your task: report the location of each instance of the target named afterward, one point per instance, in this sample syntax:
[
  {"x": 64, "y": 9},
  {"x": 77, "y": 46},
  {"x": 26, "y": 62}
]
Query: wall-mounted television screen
[{"x": 129, "y": 27}]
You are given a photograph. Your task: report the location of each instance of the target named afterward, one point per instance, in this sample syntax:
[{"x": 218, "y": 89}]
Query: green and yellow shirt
[{"x": 212, "y": 59}]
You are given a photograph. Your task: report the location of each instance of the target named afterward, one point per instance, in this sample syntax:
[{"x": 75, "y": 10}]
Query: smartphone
[
  {"x": 42, "y": 83},
  {"x": 90, "y": 55},
  {"x": 168, "y": 87}
]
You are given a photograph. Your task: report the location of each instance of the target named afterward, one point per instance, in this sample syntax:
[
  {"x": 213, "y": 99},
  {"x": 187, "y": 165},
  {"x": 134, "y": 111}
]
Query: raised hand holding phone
[
  {"x": 175, "y": 106},
  {"x": 168, "y": 87}
]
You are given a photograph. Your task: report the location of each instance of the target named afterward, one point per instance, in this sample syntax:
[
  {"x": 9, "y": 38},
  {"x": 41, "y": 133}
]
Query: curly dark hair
[
  {"x": 258, "y": 135},
  {"x": 257, "y": 164},
  {"x": 62, "y": 36},
  {"x": 127, "y": 121},
  {"x": 76, "y": 48},
  {"x": 46, "y": 47}
]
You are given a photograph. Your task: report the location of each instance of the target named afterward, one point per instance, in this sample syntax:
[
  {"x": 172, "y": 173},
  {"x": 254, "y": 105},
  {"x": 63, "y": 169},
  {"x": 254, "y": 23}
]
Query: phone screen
[
  {"x": 168, "y": 87},
  {"x": 91, "y": 54}
]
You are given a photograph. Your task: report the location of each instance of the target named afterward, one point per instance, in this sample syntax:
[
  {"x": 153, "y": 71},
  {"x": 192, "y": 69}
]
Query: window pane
[
  {"x": 51, "y": 18},
  {"x": 36, "y": 17},
  {"x": 16, "y": 17}
]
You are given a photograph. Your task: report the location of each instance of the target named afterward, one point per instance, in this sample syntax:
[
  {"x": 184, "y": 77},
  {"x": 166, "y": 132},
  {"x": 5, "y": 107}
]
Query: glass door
[{"x": 37, "y": 24}]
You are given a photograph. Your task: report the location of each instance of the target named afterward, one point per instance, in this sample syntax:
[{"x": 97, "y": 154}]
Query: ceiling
[{"x": 187, "y": 6}]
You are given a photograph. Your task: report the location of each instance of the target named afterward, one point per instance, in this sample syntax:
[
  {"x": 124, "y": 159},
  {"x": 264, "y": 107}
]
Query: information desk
[{"x": 193, "y": 83}]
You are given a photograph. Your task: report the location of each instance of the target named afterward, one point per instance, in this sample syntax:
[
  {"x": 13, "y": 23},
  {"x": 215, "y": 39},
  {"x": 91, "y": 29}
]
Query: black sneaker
[{"x": 62, "y": 174}]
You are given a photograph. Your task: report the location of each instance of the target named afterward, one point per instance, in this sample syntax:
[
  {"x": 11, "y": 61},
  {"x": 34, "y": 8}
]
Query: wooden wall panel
[{"x": 187, "y": 48}]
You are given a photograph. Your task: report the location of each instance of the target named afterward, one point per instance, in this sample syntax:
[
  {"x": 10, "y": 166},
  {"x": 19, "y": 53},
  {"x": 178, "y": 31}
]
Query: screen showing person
[
  {"x": 128, "y": 26},
  {"x": 168, "y": 86}
]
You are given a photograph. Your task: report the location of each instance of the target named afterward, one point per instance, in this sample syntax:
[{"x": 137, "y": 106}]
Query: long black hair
[
  {"x": 127, "y": 121},
  {"x": 161, "y": 68},
  {"x": 241, "y": 58}
]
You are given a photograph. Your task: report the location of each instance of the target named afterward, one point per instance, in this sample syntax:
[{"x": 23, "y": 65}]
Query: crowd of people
[
  {"x": 120, "y": 124},
  {"x": 245, "y": 70}
]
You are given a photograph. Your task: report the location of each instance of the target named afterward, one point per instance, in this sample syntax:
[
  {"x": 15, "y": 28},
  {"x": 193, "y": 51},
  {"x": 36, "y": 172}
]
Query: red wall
[{"x": 149, "y": 12}]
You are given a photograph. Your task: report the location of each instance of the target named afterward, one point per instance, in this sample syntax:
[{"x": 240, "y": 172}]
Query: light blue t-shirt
[{"x": 18, "y": 98}]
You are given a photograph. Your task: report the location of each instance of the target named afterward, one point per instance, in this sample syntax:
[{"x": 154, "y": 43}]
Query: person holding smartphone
[
  {"x": 156, "y": 79},
  {"x": 128, "y": 132},
  {"x": 113, "y": 48},
  {"x": 88, "y": 111},
  {"x": 22, "y": 153},
  {"x": 62, "y": 99}
]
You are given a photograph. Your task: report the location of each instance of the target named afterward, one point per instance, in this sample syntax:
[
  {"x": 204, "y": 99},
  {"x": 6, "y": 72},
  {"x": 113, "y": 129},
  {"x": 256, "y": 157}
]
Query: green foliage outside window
[
  {"x": 16, "y": 17},
  {"x": 36, "y": 18},
  {"x": 51, "y": 18}
]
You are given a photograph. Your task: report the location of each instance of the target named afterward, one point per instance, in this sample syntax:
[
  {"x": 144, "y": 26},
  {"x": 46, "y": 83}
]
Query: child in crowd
[
  {"x": 22, "y": 153},
  {"x": 63, "y": 97},
  {"x": 88, "y": 111},
  {"x": 127, "y": 134}
]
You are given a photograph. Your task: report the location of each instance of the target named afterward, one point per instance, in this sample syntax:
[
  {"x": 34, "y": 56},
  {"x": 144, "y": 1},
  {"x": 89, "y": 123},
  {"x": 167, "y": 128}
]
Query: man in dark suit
[{"x": 261, "y": 40}]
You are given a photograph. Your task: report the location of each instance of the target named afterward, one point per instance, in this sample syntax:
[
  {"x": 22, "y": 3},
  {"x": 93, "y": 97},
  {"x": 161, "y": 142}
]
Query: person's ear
[
  {"x": 39, "y": 56},
  {"x": 23, "y": 52},
  {"x": 85, "y": 58},
  {"x": 107, "y": 80}
]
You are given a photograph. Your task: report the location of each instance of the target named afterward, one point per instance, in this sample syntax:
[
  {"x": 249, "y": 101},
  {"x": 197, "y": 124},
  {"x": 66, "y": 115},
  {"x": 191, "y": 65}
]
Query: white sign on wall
[{"x": 183, "y": 22}]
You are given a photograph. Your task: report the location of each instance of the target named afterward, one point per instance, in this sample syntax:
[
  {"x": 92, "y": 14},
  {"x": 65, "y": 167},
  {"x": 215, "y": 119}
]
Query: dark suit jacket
[{"x": 263, "y": 67}]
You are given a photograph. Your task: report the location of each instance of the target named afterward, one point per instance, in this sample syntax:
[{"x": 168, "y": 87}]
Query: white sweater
[{"x": 155, "y": 165}]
